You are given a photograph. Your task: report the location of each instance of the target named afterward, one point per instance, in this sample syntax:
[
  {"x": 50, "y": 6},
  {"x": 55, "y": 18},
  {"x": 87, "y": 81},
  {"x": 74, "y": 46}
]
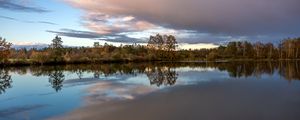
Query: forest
[{"x": 159, "y": 48}]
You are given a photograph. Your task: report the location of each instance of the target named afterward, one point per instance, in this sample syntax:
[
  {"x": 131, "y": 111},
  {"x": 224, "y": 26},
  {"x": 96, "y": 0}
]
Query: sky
[{"x": 195, "y": 23}]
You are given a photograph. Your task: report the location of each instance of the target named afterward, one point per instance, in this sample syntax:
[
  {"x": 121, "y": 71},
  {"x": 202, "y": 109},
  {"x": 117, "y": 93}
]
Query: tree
[
  {"x": 280, "y": 48},
  {"x": 170, "y": 43},
  {"x": 297, "y": 47},
  {"x": 170, "y": 46},
  {"x": 269, "y": 50},
  {"x": 156, "y": 42},
  {"x": 56, "y": 49},
  {"x": 56, "y": 43},
  {"x": 213, "y": 55},
  {"x": 231, "y": 50},
  {"x": 164, "y": 45},
  {"x": 96, "y": 44},
  {"x": 4, "y": 49},
  {"x": 248, "y": 51},
  {"x": 258, "y": 47}
]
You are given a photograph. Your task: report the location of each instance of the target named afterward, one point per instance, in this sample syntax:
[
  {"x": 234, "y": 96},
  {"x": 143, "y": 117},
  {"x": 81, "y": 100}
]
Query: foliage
[
  {"x": 163, "y": 45},
  {"x": 159, "y": 48},
  {"x": 40, "y": 57},
  {"x": 4, "y": 49},
  {"x": 56, "y": 50}
]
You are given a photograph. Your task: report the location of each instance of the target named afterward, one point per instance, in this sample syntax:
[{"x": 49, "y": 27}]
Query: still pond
[{"x": 152, "y": 91}]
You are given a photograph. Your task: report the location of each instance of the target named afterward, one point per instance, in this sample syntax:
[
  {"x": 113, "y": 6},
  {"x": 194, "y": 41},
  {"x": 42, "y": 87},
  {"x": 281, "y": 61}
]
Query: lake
[{"x": 267, "y": 90}]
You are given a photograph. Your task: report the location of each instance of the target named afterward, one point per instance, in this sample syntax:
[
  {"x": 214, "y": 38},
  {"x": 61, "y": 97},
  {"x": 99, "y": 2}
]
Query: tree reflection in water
[
  {"x": 5, "y": 80},
  {"x": 97, "y": 74},
  {"x": 79, "y": 73},
  {"x": 161, "y": 76},
  {"x": 158, "y": 73},
  {"x": 56, "y": 79}
]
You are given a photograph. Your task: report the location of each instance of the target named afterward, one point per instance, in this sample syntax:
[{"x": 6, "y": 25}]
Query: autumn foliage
[{"x": 158, "y": 48}]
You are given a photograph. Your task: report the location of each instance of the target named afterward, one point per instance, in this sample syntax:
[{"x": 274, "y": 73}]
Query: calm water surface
[{"x": 152, "y": 91}]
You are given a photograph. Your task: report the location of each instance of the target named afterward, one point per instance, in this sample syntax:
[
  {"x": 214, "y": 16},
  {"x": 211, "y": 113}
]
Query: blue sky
[
  {"x": 27, "y": 29},
  {"x": 195, "y": 23}
]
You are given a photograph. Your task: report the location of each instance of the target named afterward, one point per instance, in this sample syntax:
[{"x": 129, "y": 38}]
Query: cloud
[
  {"x": 75, "y": 33},
  {"x": 39, "y": 22},
  {"x": 106, "y": 24},
  {"x": 94, "y": 35},
  {"x": 11, "y": 5},
  {"x": 45, "y": 22},
  {"x": 8, "y": 18},
  {"x": 197, "y": 46},
  {"x": 25, "y": 21},
  {"x": 230, "y": 18}
]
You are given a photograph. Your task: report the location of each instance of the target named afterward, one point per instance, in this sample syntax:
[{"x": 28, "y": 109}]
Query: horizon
[{"x": 81, "y": 23}]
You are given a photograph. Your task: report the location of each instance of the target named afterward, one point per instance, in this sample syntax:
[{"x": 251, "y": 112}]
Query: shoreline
[{"x": 31, "y": 63}]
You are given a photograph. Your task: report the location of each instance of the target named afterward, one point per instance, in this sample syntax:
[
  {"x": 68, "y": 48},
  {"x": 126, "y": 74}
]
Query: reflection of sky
[
  {"x": 110, "y": 91},
  {"x": 186, "y": 76},
  {"x": 199, "y": 75},
  {"x": 34, "y": 97},
  {"x": 29, "y": 91}
]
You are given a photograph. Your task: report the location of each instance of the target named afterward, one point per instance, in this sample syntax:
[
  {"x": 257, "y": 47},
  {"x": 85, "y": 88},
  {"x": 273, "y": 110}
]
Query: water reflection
[
  {"x": 5, "y": 81},
  {"x": 56, "y": 79},
  {"x": 158, "y": 74},
  {"x": 79, "y": 73},
  {"x": 290, "y": 70},
  {"x": 204, "y": 87},
  {"x": 97, "y": 74},
  {"x": 161, "y": 76}
]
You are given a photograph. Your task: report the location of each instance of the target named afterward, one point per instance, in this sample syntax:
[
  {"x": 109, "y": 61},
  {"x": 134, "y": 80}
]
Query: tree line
[
  {"x": 287, "y": 49},
  {"x": 159, "y": 48}
]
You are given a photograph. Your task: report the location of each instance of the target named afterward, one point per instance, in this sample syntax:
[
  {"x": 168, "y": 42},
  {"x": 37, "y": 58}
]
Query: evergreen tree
[{"x": 56, "y": 50}]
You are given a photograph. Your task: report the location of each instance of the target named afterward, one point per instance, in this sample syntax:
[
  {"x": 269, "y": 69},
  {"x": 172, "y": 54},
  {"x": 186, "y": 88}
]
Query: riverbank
[{"x": 29, "y": 62}]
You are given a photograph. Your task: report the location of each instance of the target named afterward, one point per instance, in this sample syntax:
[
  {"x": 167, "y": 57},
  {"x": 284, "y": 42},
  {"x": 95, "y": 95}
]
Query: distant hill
[{"x": 37, "y": 46}]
